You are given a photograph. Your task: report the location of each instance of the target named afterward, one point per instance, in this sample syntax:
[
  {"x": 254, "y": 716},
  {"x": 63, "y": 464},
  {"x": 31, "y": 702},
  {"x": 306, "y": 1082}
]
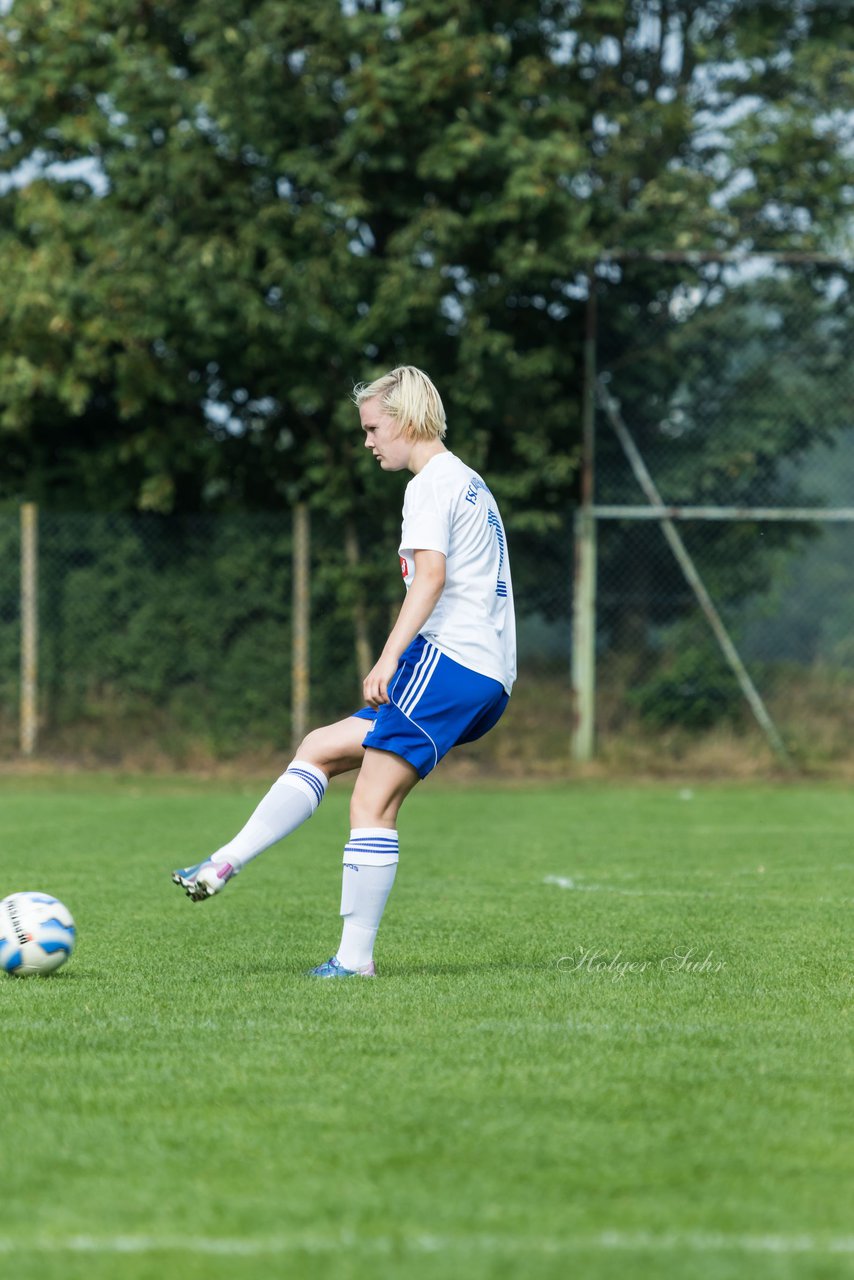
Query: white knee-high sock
[
  {"x": 290, "y": 801},
  {"x": 370, "y": 865}
]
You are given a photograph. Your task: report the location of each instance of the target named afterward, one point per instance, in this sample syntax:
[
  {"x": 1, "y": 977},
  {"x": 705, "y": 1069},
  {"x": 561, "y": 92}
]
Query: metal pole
[
  {"x": 584, "y": 638},
  {"x": 584, "y": 591},
  {"x": 808, "y": 515},
  {"x": 29, "y": 628},
  {"x": 301, "y": 623}
]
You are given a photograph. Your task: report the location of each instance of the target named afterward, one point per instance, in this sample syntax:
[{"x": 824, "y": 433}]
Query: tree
[{"x": 233, "y": 209}]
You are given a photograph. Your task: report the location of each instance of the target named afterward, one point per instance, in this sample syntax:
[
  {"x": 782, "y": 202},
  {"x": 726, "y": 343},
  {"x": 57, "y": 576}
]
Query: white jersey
[{"x": 447, "y": 507}]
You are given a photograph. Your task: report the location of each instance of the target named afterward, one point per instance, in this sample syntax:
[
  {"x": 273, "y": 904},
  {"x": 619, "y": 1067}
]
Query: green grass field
[{"x": 611, "y": 1038}]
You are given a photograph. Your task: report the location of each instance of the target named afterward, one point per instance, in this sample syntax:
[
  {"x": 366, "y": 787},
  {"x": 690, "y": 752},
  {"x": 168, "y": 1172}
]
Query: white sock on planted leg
[
  {"x": 290, "y": 801},
  {"x": 370, "y": 865}
]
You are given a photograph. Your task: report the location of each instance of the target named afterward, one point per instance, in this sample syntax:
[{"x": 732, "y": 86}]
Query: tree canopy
[{"x": 218, "y": 215}]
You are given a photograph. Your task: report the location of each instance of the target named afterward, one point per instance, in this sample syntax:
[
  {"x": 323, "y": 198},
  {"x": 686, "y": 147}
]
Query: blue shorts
[{"x": 435, "y": 704}]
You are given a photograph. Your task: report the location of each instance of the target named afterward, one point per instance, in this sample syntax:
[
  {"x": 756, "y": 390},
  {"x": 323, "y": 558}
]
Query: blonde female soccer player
[{"x": 443, "y": 678}]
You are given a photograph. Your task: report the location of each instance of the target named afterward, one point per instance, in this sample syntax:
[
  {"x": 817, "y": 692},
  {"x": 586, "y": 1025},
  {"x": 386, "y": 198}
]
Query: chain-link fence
[
  {"x": 170, "y": 640},
  {"x": 732, "y": 386},
  {"x": 167, "y": 639}
]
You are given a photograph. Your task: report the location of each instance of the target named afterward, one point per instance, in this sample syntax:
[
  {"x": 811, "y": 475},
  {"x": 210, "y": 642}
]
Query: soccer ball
[{"x": 36, "y": 934}]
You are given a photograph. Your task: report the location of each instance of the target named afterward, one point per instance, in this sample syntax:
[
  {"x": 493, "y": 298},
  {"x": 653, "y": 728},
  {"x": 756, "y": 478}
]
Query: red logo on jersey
[{"x": 404, "y": 567}]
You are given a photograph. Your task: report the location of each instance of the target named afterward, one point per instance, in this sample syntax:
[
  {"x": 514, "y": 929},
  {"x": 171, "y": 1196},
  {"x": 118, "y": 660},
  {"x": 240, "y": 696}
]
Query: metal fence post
[
  {"x": 584, "y": 637},
  {"x": 29, "y": 628},
  {"x": 301, "y": 624},
  {"x": 584, "y": 586}
]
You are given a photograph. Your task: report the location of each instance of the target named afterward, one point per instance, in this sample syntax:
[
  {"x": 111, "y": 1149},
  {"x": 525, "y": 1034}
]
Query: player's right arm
[{"x": 421, "y": 599}]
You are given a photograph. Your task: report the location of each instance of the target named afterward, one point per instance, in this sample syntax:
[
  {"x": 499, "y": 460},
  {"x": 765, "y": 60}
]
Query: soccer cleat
[
  {"x": 332, "y": 969},
  {"x": 205, "y": 879}
]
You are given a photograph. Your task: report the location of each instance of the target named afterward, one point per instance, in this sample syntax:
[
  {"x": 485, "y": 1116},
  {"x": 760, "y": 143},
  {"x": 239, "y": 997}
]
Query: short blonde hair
[{"x": 408, "y": 396}]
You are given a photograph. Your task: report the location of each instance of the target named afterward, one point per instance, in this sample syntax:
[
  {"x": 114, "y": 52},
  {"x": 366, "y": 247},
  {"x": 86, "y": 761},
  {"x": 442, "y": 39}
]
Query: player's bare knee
[
  {"x": 334, "y": 748},
  {"x": 314, "y": 747},
  {"x": 322, "y": 748}
]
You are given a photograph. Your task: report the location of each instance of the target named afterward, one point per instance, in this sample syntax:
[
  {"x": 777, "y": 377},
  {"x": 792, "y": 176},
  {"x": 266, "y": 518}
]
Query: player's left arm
[{"x": 421, "y": 599}]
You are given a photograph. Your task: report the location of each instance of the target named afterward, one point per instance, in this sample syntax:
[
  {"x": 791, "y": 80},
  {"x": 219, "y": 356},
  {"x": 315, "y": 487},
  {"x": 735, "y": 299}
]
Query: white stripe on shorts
[
  {"x": 414, "y": 678},
  {"x": 420, "y": 680}
]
